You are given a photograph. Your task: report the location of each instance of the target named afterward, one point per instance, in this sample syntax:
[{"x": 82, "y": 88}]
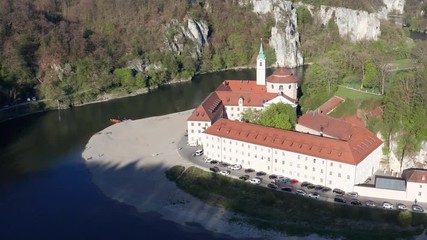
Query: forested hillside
[{"x": 75, "y": 50}]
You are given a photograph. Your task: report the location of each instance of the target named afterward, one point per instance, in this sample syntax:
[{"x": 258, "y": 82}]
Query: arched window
[
  {"x": 281, "y": 88},
  {"x": 290, "y": 86},
  {"x": 260, "y": 64}
]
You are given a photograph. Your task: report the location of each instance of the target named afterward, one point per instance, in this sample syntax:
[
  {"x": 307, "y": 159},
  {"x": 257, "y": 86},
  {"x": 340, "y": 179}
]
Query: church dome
[{"x": 282, "y": 75}]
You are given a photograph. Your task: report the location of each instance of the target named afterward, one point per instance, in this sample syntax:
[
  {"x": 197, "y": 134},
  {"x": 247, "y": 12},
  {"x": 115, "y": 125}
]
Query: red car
[{"x": 293, "y": 181}]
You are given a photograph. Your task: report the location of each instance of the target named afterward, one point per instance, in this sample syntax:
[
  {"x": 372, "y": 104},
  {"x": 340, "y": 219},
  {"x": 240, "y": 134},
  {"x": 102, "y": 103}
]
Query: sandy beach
[{"x": 128, "y": 160}]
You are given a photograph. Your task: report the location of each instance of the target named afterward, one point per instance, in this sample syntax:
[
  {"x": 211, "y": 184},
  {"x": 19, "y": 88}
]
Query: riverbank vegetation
[
  {"x": 76, "y": 51},
  {"x": 294, "y": 215}
]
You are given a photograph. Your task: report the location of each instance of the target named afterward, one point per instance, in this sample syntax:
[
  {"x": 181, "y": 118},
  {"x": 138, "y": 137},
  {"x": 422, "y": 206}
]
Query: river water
[{"x": 45, "y": 188}]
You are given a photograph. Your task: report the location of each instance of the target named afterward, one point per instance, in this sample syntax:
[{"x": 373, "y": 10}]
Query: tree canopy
[{"x": 278, "y": 115}]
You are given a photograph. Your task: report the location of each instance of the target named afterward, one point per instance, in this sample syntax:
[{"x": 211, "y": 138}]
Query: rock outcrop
[
  {"x": 395, "y": 5},
  {"x": 178, "y": 36},
  {"x": 284, "y": 35}
]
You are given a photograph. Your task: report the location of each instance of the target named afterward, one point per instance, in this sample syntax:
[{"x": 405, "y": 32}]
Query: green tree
[
  {"x": 278, "y": 115},
  {"x": 125, "y": 77},
  {"x": 371, "y": 77},
  {"x": 405, "y": 218}
]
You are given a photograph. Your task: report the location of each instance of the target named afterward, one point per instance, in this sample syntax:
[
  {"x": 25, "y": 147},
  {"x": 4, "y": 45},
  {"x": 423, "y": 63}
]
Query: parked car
[
  {"x": 300, "y": 192},
  {"x": 208, "y": 160},
  {"x": 249, "y": 170},
  {"x": 285, "y": 180},
  {"x": 273, "y": 176},
  {"x": 339, "y": 199},
  {"x": 370, "y": 203},
  {"x": 259, "y": 178},
  {"x": 224, "y": 172},
  {"x": 326, "y": 189},
  {"x": 318, "y": 187},
  {"x": 280, "y": 177},
  {"x": 244, "y": 177},
  {"x": 214, "y": 169},
  {"x": 272, "y": 186},
  {"x": 199, "y": 152},
  {"x": 338, "y": 191},
  {"x": 224, "y": 164},
  {"x": 261, "y": 173},
  {"x": 214, "y": 162},
  {"x": 417, "y": 208},
  {"x": 353, "y": 194},
  {"x": 310, "y": 186},
  {"x": 314, "y": 195},
  {"x": 402, "y": 206},
  {"x": 235, "y": 167},
  {"x": 255, "y": 181},
  {"x": 287, "y": 189},
  {"x": 387, "y": 205},
  {"x": 294, "y": 181},
  {"x": 305, "y": 184},
  {"x": 355, "y": 202}
]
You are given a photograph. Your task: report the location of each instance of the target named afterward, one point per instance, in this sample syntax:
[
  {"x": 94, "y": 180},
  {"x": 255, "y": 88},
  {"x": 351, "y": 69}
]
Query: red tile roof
[
  {"x": 249, "y": 99},
  {"x": 282, "y": 75},
  {"x": 210, "y": 108},
  {"x": 352, "y": 151},
  {"x": 415, "y": 175},
  {"x": 241, "y": 86},
  {"x": 330, "y": 105},
  {"x": 354, "y": 120},
  {"x": 336, "y": 128}
]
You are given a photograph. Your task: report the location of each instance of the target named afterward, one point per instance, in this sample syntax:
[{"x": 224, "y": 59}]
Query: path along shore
[{"x": 128, "y": 163}]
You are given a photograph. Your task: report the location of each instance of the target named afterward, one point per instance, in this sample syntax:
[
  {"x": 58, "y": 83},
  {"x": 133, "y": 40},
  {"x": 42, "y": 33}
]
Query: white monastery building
[{"x": 326, "y": 151}]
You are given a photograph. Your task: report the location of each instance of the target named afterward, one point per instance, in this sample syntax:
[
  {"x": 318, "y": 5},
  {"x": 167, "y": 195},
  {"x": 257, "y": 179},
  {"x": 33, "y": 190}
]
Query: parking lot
[{"x": 293, "y": 186}]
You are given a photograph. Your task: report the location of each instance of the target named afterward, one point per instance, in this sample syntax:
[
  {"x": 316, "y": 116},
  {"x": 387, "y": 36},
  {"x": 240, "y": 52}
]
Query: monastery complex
[{"x": 322, "y": 150}]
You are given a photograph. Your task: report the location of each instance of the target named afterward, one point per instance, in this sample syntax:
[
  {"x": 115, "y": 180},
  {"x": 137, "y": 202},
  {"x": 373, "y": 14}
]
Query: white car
[
  {"x": 353, "y": 194},
  {"x": 199, "y": 152},
  {"x": 255, "y": 181},
  {"x": 208, "y": 160},
  {"x": 300, "y": 192},
  {"x": 314, "y": 195},
  {"x": 387, "y": 205},
  {"x": 402, "y": 206},
  {"x": 224, "y": 172},
  {"x": 235, "y": 167}
]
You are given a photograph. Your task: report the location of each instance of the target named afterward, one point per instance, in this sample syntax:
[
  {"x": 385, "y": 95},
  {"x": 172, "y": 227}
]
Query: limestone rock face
[
  {"x": 284, "y": 35},
  {"x": 177, "y": 36},
  {"x": 395, "y": 5}
]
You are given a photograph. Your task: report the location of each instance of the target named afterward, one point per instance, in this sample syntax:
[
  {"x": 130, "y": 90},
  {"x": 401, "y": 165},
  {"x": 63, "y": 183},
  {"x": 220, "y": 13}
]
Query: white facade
[
  {"x": 290, "y": 164},
  {"x": 289, "y": 89},
  {"x": 195, "y": 130},
  {"x": 416, "y": 190}
]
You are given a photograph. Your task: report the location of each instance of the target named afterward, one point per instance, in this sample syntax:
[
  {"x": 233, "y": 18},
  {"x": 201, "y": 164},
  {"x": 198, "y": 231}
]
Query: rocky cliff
[
  {"x": 356, "y": 25},
  {"x": 284, "y": 35}
]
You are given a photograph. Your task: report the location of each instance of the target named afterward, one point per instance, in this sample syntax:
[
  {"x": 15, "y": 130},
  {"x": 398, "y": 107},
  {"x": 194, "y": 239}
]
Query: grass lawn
[
  {"x": 291, "y": 214},
  {"x": 355, "y": 100}
]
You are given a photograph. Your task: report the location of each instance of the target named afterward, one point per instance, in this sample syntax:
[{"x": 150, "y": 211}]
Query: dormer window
[{"x": 240, "y": 101}]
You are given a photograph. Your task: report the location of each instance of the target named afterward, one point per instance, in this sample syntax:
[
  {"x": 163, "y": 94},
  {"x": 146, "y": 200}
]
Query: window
[
  {"x": 206, "y": 124},
  {"x": 272, "y": 86},
  {"x": 321, "y": 170},
  {"x": 200, "y": 131},
  {"x": 268, "y": 167},
  {"x": 192, "y": 124},
  {"x": 339, "y": 174},
  {"x": 314, "y": 160},
  {"x": 306, "y": 158},
  {"x": 275, "y": 160},
  {"x": 305, "y": 167},
  {"x": 249, "y": 146},
  {"x": 332, "y": 164},
  {"x": 283, "y": 162},
  {"x": 275, "y": 152},
  {"x": 198, "y": 124},
  {"x": 298, "y": 156},
  {"x": 330, "y": 182},
  {"x": 321, "y": 180},
  {"x": 255, "y": 147},
  {"x": 419, "y": 194},
  {"x": 421, "y": 186},
  {"x": 192, "y": 130},
  {"x": 283, "y": 153},
  {"x": 348, "y": 177},
  {"x": 260, "y": 64},
  {"x": 290, "y": 164},
  {"x": 297, "y": 174},
  {"x": 314, "y": 169},
  {"x": 297, "y": 165},
  {"x": 340, "y": 166},
  {"x": 330, "y": 173},
  {"x": 290, "y": 86}
]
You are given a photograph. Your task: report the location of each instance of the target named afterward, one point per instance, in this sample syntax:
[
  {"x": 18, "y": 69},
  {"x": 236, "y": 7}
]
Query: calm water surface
[{"x": 45, "y": 188}]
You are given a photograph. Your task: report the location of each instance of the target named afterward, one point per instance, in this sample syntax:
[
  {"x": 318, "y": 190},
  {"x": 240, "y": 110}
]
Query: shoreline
[{"x": 128, "y": 160}]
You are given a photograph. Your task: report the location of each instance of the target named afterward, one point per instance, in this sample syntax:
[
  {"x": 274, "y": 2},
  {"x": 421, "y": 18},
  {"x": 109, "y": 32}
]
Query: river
[{"x": 45, "y": 188}]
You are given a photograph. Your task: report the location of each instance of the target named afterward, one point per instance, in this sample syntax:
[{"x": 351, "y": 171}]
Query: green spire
[{"x": 261, "y": 54}]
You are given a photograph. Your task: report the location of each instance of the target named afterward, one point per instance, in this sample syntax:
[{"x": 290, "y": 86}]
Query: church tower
[{"x": 260, "y": 67}]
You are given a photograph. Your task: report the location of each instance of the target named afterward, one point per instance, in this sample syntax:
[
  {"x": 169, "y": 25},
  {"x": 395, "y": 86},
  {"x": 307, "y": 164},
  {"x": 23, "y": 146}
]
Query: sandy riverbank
[{"x": 128, "y": 160}]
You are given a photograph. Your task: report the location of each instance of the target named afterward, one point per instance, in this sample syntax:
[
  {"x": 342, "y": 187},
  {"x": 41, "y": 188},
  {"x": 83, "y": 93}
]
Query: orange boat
[{"x": 115, "y": 120}]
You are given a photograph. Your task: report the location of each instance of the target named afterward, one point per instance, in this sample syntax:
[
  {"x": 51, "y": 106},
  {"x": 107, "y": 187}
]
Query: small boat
[{"x": 115, "y": 120}]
